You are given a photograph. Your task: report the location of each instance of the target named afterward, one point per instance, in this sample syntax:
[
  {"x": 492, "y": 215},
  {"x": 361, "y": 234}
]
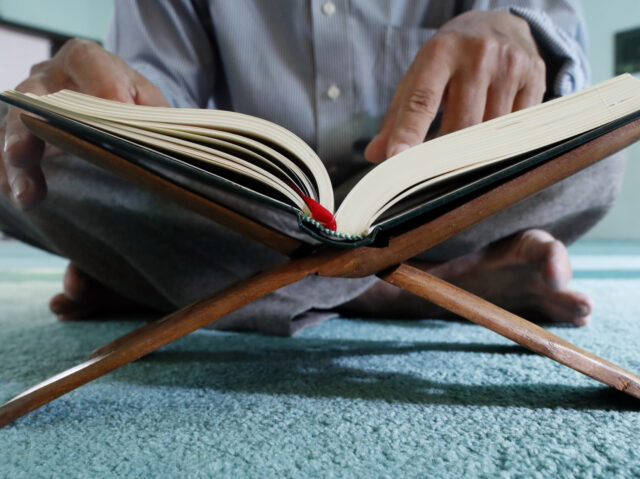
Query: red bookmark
[{"x": 320, "y": 213}]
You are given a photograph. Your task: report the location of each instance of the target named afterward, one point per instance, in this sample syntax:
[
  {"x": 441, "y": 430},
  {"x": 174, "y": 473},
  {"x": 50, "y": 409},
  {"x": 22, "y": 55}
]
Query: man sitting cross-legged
[{"x": 391, "y": 68}]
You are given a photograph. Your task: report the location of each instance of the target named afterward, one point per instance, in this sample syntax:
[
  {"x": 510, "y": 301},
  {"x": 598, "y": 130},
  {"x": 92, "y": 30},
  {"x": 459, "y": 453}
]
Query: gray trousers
[{"x": 157, "y": 253}]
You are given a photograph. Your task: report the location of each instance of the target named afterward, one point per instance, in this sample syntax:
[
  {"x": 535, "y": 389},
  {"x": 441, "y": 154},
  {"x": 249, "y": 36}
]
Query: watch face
[{"x": 628, "y": 52}]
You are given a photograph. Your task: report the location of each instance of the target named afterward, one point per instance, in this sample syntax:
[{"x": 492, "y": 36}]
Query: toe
[
  {"x": 557, "y": 271},
  {"x": 67, "y": 309},
  {"x": 59, "y": 303},
  {"x": 568, "y": 306},
  {"x": 540, "y": 249},
  {"x": 85, "y": 297},
  {"x": 582, "y": 320},
  {"x": 76, "y": 282}
]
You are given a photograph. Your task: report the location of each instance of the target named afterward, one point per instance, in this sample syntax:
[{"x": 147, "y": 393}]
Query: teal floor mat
[{"x": 348, "y": 398}]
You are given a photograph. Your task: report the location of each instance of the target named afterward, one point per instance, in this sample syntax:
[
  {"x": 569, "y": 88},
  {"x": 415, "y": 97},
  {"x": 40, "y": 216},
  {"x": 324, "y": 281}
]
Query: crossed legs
[{"x": 516, "y": 259}]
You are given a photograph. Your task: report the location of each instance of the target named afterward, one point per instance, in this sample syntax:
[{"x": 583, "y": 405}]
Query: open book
[{"x": 211, "y": 151}]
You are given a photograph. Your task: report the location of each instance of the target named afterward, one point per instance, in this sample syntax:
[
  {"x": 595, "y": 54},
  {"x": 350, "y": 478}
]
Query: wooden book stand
[{"x": 387, "y": 263}]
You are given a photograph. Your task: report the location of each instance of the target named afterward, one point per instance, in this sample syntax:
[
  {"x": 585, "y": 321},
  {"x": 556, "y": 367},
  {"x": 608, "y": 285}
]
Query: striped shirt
[{"x": 324, "y": 69}]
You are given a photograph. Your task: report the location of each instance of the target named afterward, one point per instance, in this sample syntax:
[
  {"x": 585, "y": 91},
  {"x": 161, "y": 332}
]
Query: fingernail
[
  {"x": 20, "y": 186},
  {"x": 397, "y": 149},
  {"x": 584, "y": 309}
]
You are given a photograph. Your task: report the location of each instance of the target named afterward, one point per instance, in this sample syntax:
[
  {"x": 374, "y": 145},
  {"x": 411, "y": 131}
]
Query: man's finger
[
  {"x": 21, "y": 149},
  {"x": 418, "y": 107},
  {"x": 22, "y": 179},
  {"x": 97, "y": 72},
  {"x": 466, "y": 102},
  {"x": 94, "y": 71},
  {"x": 530, "y": 95},
  {"x": 499, "y": 100},
  {"x": 5, "y": 190},
  {"x": 28, "y": 186},
  {"x": 146, "y": 93},
  {"x": 533, "y": 91},
  {"x": 376, "y": 151}
]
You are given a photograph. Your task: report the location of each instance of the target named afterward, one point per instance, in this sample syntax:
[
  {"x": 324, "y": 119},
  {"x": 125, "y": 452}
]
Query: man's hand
[
  {"x": 79, "y": 65},
  {"x": 479, "y": 65}
]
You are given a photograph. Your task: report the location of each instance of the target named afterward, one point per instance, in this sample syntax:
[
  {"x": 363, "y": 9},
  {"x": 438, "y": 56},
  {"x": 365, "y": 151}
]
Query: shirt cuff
[{"x": 565, "y": 58}]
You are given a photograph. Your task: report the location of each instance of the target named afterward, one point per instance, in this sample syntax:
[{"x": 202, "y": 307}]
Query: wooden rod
[
  {"x": 115, "y": 344},
  {"x": 510, "y": 326},
  {"x": 163, "y": 332},
  {"x": 306, "y": 265},
  {"x": 350, "y": 263},
  {"x": 365, "y": 261}
]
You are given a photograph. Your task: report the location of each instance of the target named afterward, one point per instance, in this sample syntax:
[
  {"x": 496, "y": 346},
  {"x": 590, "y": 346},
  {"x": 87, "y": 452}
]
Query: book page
[
  {"x": 486, "y": 143},
  {"x": 68, "y": 102}
]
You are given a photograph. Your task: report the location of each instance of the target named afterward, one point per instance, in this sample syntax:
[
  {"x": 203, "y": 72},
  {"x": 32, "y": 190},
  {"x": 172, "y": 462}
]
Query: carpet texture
[{"x": 349, "y": 398}]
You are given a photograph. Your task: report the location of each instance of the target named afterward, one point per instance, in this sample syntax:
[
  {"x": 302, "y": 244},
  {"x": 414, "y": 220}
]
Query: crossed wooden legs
[
  {"x": 338, "y": 263},
  {"x": 155, "y": 335}
]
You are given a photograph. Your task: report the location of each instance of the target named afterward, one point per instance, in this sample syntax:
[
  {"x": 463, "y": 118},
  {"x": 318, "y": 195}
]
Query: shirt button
[
  {"x": 333, "y": 92},
  {"x": 329, "y": 8}
]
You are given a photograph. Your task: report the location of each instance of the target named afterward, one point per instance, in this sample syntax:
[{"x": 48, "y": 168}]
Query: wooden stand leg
[
  {"x": 153, "y": 336},
  {"x": 513, "y": 327},
  {"x": 136, "y": 333}
]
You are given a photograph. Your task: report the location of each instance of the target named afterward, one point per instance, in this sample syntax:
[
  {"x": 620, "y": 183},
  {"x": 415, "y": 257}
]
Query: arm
[
  {"x": 483, "y": 64},
  {"x": 153, "y": 43}
]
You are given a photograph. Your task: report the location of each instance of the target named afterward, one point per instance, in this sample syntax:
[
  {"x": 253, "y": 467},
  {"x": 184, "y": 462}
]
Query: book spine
[{"x": 320, "y": 213}]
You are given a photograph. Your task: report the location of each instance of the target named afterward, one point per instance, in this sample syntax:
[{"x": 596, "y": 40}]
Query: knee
[{"x": 605, "y": 180}]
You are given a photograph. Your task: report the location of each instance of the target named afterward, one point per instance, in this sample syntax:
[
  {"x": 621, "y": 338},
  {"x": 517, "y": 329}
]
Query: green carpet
[{"x": 349, "y": 398}]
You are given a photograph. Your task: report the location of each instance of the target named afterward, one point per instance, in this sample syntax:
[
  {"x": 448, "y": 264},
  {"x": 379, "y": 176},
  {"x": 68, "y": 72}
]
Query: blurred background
[{"x": 31, "y": 29}]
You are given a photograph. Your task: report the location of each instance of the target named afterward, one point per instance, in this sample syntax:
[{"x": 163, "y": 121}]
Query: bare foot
[
  {"x": 527, "y": 274},
  {"x": 85, "y": 297}
]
